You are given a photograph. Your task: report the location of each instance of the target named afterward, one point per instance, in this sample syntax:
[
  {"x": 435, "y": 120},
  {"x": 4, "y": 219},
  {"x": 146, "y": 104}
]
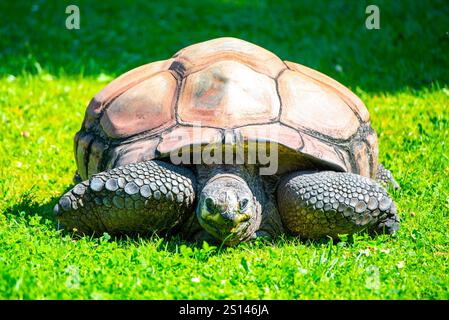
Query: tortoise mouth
[
  {"x": 227, "y": 219},
  {"x": 222, "y": 222},
  {"x": 229, "y": 231}
]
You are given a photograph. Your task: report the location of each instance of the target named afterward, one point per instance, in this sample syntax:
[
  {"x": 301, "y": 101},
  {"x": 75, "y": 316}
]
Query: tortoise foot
[
  {"x": 315, "y": 205},
  {"x": 141, "y": 198}
]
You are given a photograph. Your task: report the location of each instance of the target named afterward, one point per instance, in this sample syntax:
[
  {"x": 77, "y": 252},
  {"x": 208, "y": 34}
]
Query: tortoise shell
[{"x": 237, "y": 91}]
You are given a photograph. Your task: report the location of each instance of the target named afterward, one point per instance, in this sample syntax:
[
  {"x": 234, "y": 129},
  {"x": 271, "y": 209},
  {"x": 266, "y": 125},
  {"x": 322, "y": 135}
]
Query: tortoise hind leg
[
  {"x": 140, "y": 198},
  {"x": 315, "y": 205},
  {"x": 385, "y": 178}
]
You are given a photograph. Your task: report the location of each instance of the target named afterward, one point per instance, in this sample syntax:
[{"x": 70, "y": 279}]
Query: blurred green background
[
  {"x": 48, "y": 74},
  {"x": 410, "y": 49}
]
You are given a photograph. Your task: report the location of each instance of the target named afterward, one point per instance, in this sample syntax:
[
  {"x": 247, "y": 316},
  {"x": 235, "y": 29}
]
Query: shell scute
[
  {"x": 118, "y": 86},
  {"x": 273, "y": 132},
  {"x": 308, "y": 106},
  {"x": 347, "y": 95},
  {"x": 144, "y": 107},
  {"x": 200, "y": 55},
  {"x": 187, "y": 136},
  {"x": 228, "y": 94}
]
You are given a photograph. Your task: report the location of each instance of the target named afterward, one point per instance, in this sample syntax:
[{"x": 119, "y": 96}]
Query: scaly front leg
[
  {"x": 315, "y": 205},
  {"x": 140, "y": 198}
]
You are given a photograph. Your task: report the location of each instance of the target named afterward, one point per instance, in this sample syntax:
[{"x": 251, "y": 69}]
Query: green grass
[{"x": 48, "y": 74}]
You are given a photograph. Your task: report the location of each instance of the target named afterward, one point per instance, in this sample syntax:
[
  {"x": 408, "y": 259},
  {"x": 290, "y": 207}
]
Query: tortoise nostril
[
  {"x": 244, "y": 204},
  {"x": 210, "y": 204}
]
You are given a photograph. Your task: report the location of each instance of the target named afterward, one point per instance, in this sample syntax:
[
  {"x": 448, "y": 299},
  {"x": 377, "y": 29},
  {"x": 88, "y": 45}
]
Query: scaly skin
[
  {"x": 234, "y": 203},
  {"x": 385, "y": 177},
  {"x": 141, "y": 198},
  {"x": 315, "y": 205}
]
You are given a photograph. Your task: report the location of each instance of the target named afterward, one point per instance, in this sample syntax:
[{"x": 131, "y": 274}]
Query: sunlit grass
[
  {"x": 36, "y": 261},
  {"x": 48, "y": 74}
]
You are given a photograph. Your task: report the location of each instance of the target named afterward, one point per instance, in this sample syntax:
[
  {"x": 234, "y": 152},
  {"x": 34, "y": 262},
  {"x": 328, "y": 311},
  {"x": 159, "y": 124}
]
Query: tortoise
[{"x": 220, "y": 95}]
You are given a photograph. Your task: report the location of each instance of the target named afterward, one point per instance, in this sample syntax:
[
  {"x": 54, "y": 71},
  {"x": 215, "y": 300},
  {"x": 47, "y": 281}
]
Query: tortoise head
[{"x": 227, "y": 209}]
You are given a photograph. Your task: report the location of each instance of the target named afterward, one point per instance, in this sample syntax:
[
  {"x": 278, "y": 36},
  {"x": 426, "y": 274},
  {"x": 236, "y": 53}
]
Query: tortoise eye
[
  {"x": 244, "y": 204},
  {"x": 210, "y": 205}
]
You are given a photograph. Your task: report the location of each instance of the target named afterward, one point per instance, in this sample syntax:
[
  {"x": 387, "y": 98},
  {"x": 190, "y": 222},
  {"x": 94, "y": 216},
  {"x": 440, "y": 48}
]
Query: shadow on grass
[
  {"x": 409, "y": 50},
  {"x": 28, "y": 207},
  {"x": 173, "y": 243}
]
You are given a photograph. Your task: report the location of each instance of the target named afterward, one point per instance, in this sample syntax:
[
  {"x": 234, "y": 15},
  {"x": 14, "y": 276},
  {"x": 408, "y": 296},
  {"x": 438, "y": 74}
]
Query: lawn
[{"x": 48, "y": 74}]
